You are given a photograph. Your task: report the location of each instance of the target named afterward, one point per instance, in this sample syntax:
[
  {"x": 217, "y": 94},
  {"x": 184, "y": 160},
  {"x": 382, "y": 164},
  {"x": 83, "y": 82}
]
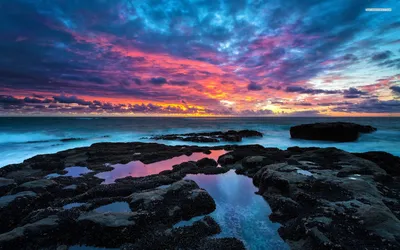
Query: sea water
[
  {"x": 239, "y": 211},
  {"x": 22, "y": 138}
]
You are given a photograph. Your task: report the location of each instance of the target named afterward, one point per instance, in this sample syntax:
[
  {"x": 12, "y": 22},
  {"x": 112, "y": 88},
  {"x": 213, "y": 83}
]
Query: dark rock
[
  {"x": 206, "y": 162},
  {"x": 6, "y": 185},
  {"x": 230, "y": 136},
  {"x": 323, "y": 198},
  {"x": 334, "y": 131},
  {"x": 388, "y": 162},
  {"x": 336, "y": 204}
]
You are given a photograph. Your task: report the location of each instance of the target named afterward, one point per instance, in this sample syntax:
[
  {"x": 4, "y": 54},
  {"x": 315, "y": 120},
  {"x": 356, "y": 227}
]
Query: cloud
[
  {"x": 381, "y": 55},
  {"x": 305, "y": 113},
  {"x": 372, "y": 106},
  {"x": 210, "y": 50},
  {"x": 395, "y": 89},
  {"x": 36, "y": 100},
  {"x": 254, "y": 87},
  {"x": 354, "y": 93},
  {"x": 298, "y": 89},
  {"x": 70, "y": 100},
  {"x": 158, "y": 80},
  {"x": 260, "y": 112},
  {"x": 179, "y": 83},
  {"x": 9, "y": 100}
]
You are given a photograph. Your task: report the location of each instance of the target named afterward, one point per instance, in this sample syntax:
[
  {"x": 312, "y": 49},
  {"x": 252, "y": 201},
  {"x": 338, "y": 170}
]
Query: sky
[{"x": 199, "y": 57}]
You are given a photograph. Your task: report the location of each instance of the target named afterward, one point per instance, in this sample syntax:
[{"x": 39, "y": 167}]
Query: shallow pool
[
  {"x": 139, "y": 169},
  {"x": 240, "y": 212}
]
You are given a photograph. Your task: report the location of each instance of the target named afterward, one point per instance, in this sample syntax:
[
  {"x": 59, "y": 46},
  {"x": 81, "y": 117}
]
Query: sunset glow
[{"x": 199, "y": 58}]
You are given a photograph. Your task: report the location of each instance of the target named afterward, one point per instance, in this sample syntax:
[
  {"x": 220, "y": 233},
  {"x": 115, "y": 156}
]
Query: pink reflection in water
[{"x": 139, "y": 169}]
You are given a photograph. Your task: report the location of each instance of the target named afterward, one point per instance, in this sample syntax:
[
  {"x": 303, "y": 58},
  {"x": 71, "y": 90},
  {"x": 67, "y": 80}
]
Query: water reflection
[
  {"x": 115, "y": 207},
  {"x": 72, "y": 172},
  {"x": 240, "y": 212},
  {"x": 139, "y": 169},
  {"x": 72, "y": 205}
]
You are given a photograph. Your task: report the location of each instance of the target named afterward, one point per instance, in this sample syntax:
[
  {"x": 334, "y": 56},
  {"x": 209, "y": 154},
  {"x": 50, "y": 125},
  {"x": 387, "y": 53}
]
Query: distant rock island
[
  {"x": 228, "y": 136},
  {"x": 330, "y": 131}
]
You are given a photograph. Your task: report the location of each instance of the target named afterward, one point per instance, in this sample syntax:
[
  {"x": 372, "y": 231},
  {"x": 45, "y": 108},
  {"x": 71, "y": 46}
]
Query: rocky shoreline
[{"x": 324, "y": 198}]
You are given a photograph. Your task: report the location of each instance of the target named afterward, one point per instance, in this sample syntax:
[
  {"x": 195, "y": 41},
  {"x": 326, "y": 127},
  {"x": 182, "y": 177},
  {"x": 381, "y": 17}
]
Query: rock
[
  {"x": 8, "y": 199},
  {"x": 226, "y": 159},
  {"x": 38, "y": 184},
  {"x": 230, "y": 136},
  {"x": 255, "y": 161},
  {"x": 323, "y": 198},
  {"x": 182, "y": 199},
  {"x": 388, "y": 162},
  {"x": 15, "y": 239},
  {"x": 6, "y": 185},
  {"x": 206, "y": 162},
  {"x": 338, "y": 204},
  {"x": 333, "y": 131},
  {"x": 107, "y": 219}
]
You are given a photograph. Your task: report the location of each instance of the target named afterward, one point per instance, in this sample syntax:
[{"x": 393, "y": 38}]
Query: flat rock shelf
[{"x": 299, "y": 198}]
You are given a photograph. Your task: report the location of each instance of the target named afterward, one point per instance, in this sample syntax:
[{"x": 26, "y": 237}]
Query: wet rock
[
  {"x": 333, "y": 131},
  {"x": 388, "y": 162},
  {"x": 206, "y": 162},
  {"x": 188, "y": 237},
  {"x": 320, "y": 211},
  {"x": 6, "y": 185},
  {"x": 230, "y": 136},
  {"x": 5, "y": 201},
  {"x": 106, "y": 219},
  {"x": 183, "y": 199},
  {"x": 324, "y": 198},
  {"x": 37, "y": 185},
  {"x": 16, "y": 239}
]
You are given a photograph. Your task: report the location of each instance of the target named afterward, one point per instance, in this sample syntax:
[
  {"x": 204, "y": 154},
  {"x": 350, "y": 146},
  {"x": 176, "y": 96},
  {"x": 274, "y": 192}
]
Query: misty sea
[{"x": 24, "y": 137}]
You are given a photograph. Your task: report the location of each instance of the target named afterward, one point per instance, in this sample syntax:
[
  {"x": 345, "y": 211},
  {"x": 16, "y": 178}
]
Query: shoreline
[{"x": 278, "y": 182}]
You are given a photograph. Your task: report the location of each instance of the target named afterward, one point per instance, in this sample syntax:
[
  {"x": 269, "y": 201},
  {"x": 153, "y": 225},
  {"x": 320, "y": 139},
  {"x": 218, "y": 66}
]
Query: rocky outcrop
[
  {"x": 330, "y": 131},
  {"x": 323, "y": 198},
  {"x": 229, "y": 136},
  {"x": 331, "y": 199}
]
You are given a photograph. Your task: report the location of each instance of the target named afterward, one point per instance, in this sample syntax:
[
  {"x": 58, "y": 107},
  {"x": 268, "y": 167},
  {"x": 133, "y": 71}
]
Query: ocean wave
[{"x": 35, "y": 138}]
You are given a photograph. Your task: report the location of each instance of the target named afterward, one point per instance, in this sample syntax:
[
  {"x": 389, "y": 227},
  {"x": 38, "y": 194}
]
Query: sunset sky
[{"x": 199, "y": 57}]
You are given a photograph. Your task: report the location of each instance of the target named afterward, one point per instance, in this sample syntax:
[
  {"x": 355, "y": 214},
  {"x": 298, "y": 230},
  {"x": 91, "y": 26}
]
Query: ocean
[{"x": 24, "y": 137}]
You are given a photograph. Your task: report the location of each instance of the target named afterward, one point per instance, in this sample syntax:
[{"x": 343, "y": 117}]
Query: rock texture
[
  {"x": 323, "y": 198},
  {"x": 229, "y": 136},
  {"x": 331, "y": 131}
]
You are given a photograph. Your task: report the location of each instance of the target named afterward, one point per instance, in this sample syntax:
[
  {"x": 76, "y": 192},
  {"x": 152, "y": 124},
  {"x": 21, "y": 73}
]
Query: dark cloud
[
  {"x": 395, "y": 63},
  {"x": 354, "y": 93},
  {"x": 36, "y": 100},
  {"x": 9, "y": 100},
  {"x": 158, "y": 80},
  {"x": 254, "y": 87},
  {"x": 70, "y": 100},
  {"x": 298, "y": 89},
  {"x": 38, "y": 96},
  {"x": 179, "y": 83},
  {"x": 137, "y": 81},
  {"x": 381, "y": 55},
  {"x": 303, "y": 104},
  {"x": 396, "y": 89},
  {"x": 350, "y": 57},
  {"x": 372, "y": 106}
]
